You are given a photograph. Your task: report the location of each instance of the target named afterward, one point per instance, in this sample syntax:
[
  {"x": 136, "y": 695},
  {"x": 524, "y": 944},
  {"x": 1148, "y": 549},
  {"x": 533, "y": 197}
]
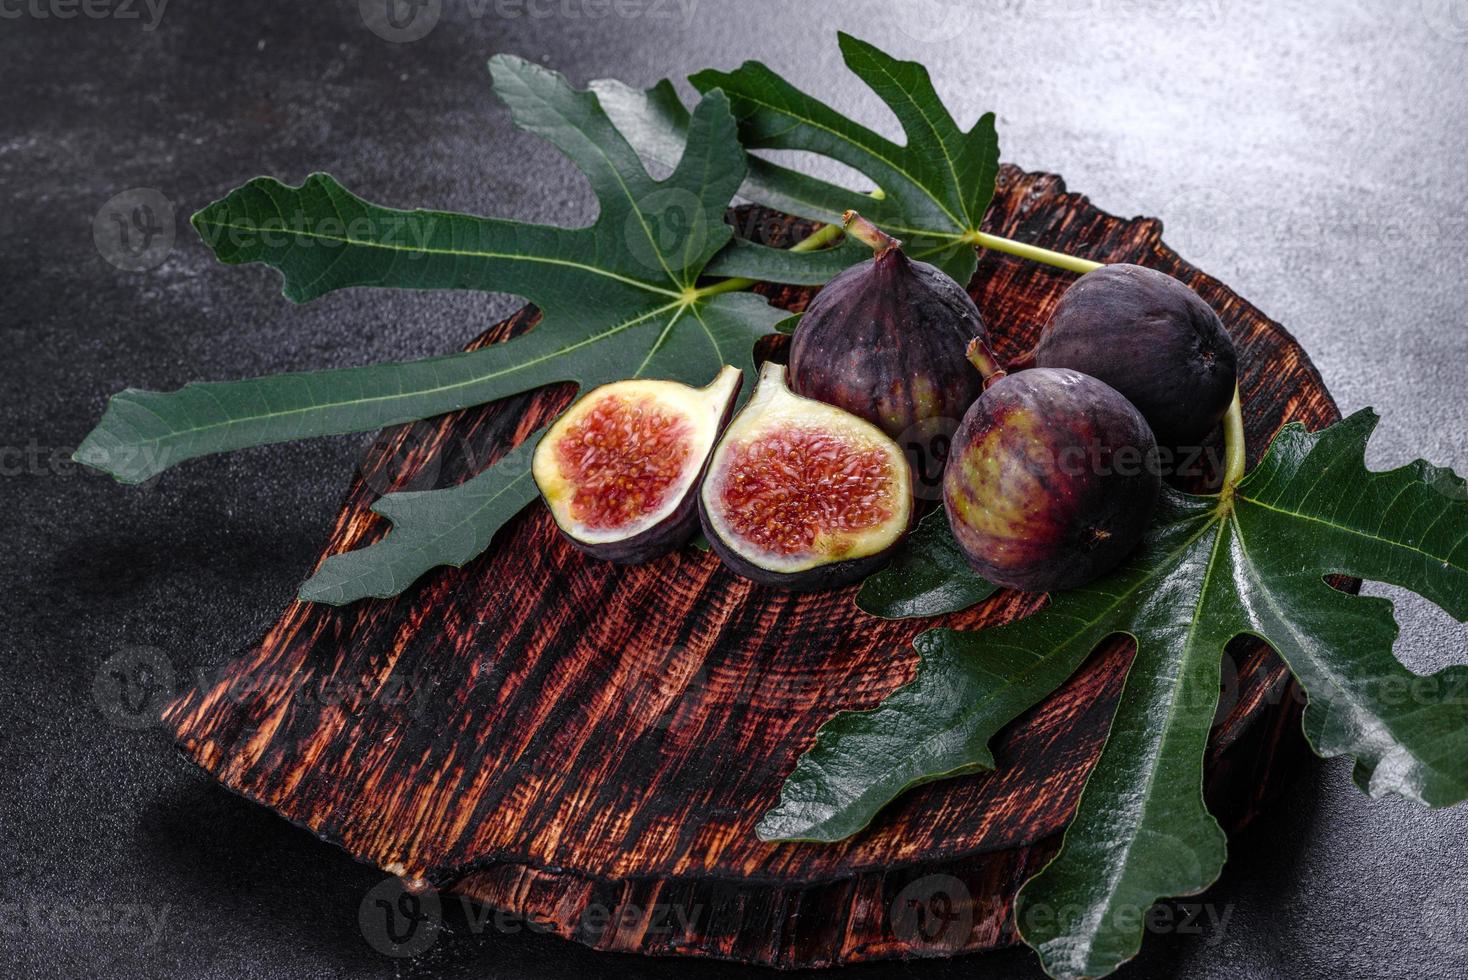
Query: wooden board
[{"x": 550, "y": 734}]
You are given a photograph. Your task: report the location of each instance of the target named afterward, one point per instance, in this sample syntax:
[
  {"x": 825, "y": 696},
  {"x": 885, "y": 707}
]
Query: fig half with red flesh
[
  {"x": 885, "y": 340},
  {"x": 620, "y": 469},
  {"x": 802, "y": 495},
  {"x": 1052, "y": 479}
]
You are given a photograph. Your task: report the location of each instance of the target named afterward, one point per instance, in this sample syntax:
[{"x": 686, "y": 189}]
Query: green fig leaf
[
  {"x": 621, "y": 298},
  {"x": 1212, "y": 568},
  {"x": 934, "y": 189},
  {"x": 928, "y": 576},
  {"x": 787, "y": 326},
  {"x": 430, "y": 528},
  {"x": 618, "y": 299},
  {"x": 748, "y": 260}
]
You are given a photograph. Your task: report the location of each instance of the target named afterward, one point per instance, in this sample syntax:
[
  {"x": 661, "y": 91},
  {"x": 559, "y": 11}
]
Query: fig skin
[
  {"x": 678, "y": 526},
  {"x": 774, "y": 407},
  {"x": 663, "y": 538},
  {"x": 885, "y": 340},
  {"x": 1151, "y": 338},
  {"x": 1036, "y": 494},
  {"x": 818, "y": 579}
]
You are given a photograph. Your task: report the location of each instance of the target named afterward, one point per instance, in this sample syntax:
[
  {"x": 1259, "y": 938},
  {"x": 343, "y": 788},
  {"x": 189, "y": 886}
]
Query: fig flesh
[
  {"x": 1151, "y": 338},
  {"x": 620, "y": 469},
  {"x": 802, "y": 495},
  {"x": 885, "y": 340},
  {"x": 1052, "y": 480}
]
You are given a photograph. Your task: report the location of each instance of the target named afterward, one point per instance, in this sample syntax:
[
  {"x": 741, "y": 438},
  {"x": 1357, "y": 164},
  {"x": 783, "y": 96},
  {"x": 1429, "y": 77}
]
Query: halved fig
[
  {"x": 620, "y": 469},
  {"x": 802, "y": 495}
]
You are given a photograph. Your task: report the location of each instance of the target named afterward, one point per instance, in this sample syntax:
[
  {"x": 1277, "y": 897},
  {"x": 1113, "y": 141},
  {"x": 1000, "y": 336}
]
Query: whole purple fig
[
  {"x": 1052, "y": 479},
  {"x": 1151, "y": 338},
  {"x": 885, "y": 340}
]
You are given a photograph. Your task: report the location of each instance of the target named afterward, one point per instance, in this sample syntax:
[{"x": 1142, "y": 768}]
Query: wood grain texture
[{"x": 550, "y": 734}]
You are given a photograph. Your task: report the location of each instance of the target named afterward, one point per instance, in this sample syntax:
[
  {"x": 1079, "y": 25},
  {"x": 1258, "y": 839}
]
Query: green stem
[
  {"x": 816, "y": 239},
  {"x": 1033, "y": 252},
  {"x": 1233, "y": 448},
  {"x": 825, "y": 234}
]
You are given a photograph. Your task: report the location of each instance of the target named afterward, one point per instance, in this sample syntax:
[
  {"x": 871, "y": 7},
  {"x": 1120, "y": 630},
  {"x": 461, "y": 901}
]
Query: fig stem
[
  {"x": 983, "y": 358},
  {"x": 1233, "y": 447},
  {"x": 868, "y": 234},
  {"x": 1033, "y": 252}
]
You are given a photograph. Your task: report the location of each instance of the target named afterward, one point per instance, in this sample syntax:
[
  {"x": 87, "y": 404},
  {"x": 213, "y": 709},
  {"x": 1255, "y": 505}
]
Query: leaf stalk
[
  {"x": 1233, "y": 448},
  {"x": 1034, "y": 253}
]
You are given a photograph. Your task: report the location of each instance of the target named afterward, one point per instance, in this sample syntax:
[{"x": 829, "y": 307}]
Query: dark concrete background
[{"x": 1310, "y": 155}]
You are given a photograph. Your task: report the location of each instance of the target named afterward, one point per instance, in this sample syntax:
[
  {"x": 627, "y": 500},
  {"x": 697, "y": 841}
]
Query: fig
[
  {"x": 620, "y": 469},
  {"x": 1052, "y": 478},
  {"x": 802, "y": 495},
  {"x": 885, "y": 340},
  {"x": 1151, "y": 338}
]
